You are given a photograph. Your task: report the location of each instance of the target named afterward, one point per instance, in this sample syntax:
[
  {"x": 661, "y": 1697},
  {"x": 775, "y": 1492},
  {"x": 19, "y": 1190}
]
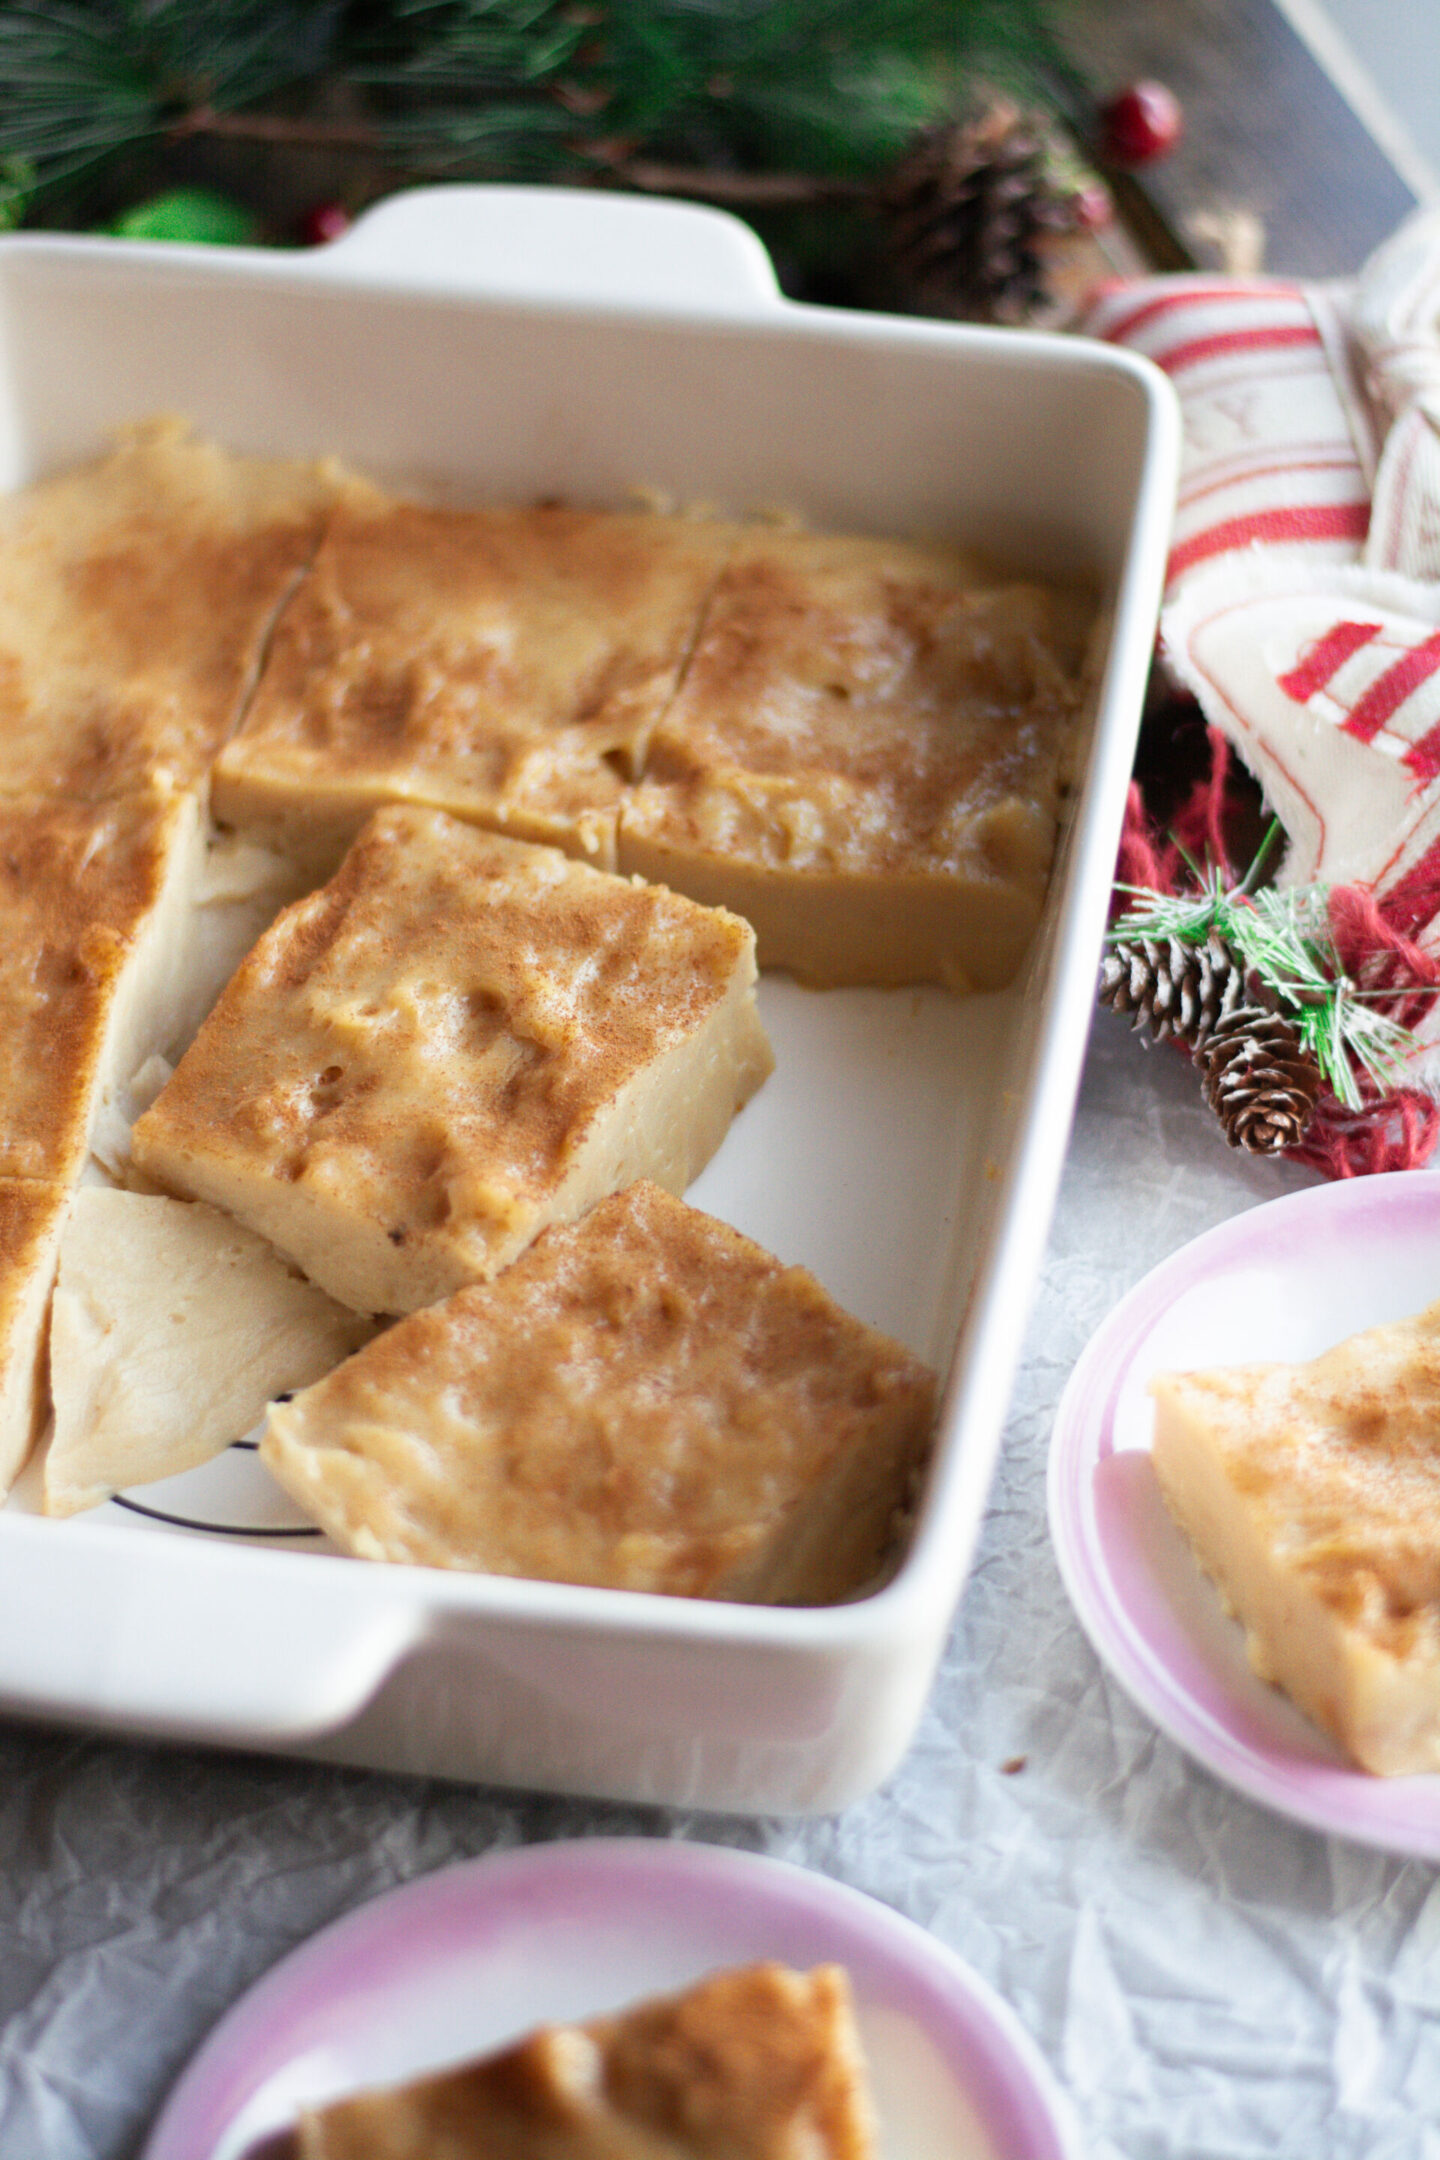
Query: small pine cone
[
  {"x": 968, "y": 210},
  {"x": 1173, "y": 988},
  {"x": 1260, "y": 1080}
]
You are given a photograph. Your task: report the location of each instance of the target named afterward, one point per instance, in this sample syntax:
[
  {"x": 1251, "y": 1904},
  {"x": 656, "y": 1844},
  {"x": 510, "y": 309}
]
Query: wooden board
[{"x": 1268, "y": 138}]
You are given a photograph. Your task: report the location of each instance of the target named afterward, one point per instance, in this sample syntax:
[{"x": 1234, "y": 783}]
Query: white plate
[
  {"x": 1283, "y": 1281},
  {"x": 461, "y": 1961}
]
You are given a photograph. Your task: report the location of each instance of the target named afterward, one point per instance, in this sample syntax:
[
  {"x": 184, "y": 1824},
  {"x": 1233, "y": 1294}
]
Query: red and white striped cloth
[
  {"x": 1270, "y": 450},
  {"x": 1303, "y": 602},
  {"x": 1395, "y": 326}
]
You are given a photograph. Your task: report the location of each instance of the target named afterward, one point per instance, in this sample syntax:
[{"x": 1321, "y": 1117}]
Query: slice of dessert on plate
[
  {"x": 1311, "y": 1494},
  {"x": 755, "y": 2063},
  {"x": 459, "y": 1039},
  {"x": 645, "y": 1400}
]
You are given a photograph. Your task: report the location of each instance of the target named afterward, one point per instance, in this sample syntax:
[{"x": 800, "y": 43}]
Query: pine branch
[
  {"x": 738, "y": 190},
  {"x": 782, "y": 94},
  {"x": 79, "y": 83},
  {"x": 1283, "y": 942},
  {"x": 261, "y": 127}
]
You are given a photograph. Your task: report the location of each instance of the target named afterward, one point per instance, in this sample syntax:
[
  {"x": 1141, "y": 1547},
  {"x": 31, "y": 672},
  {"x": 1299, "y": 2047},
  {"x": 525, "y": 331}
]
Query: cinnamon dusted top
[
  {"x": 754, "y": 2063},
  {"x": 428, "y": 1040},
  {"x": 645, "y": 1400},
  {"x": 868, "y": 705},
  {"x": 1339, "y": 1462},
  {"x": 506, "y": 664},
  {"x": 31, "y": 1214},
  {"x": 79, "y": 884},
  {"x": 757, "y": 2060},
  {"x": 136, "y": 594}
]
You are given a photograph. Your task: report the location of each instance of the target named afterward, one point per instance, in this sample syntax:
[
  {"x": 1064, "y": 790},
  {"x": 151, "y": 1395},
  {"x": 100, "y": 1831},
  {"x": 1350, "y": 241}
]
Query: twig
[
  {"x": 276, "y": 128},
  {"x": 755, "y": 191}
]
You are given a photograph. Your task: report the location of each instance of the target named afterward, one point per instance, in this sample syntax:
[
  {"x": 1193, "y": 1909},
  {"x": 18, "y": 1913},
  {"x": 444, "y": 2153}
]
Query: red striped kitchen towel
[
  {"x": 1303, "y": 601},
  {"x": 1261, "y": 369}
]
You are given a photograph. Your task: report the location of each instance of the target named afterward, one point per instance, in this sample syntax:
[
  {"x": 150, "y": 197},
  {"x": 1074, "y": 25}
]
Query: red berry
[
  {"x": 1142, "y": 123},
  {"x": 324, "y": 221}
]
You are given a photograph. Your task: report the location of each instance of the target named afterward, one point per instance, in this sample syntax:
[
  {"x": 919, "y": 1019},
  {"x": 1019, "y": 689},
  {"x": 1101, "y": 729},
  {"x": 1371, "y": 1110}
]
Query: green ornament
[
  {"x": 17, "y": 178},
  {"x": 192, "y": 214}
]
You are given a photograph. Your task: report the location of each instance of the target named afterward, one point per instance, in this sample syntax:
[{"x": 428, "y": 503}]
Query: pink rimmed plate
[
  {"x": 460, "y": 1961},
  {"x": 1283, "y": 1281}
]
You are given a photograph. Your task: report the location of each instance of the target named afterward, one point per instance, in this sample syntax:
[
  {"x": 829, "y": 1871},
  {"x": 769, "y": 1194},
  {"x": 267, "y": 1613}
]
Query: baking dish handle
[
  {"x": 202, "y": 1643},
  {"x": 558, "y": 244}
]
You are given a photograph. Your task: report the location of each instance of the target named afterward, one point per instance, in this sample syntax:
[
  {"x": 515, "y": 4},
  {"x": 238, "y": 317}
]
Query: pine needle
[
  {"x": 1284, "y": 940},
  {"x": 507, "y": 88}
]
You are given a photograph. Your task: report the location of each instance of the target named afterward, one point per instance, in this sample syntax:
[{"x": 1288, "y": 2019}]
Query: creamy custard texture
[
  {"x": 857, "y": 744},
  {"x": 1312, "y": 1494},
  {"x": 755, "y": 2063},
  {"x": 171, "y": 1329},
  {"x": 136, "y": 593},
  {"x": 646, "y": 1400},
  {"x": 95, "y": 901},
  {"x": 508, "y": 665},
  {"x": 457, "y": 1040},
  {"x": 32, "y": 1218}
]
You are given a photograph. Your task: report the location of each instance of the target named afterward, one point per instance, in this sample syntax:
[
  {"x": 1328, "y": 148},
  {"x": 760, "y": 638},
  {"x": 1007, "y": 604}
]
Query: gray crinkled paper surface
[{"x": 1205, "y": 1979}]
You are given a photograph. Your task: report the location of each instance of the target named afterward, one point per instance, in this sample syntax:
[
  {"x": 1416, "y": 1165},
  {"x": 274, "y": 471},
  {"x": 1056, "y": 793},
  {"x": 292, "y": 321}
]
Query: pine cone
[
  {"x": 968, "y": 208},
  {"x": 1260, "y": 1080},
  {"x": 1178, "y": 990}
]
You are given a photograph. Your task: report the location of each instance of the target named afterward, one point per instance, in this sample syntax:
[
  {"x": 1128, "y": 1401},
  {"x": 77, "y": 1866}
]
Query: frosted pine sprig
[
  {"x": 1285, "y": 938},
  {"x": 1283, "y": 942}
]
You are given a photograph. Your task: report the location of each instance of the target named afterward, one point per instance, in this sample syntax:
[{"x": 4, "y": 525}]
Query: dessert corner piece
[
  {"x": 865, "y": 760},
  {"x": 94, "y": 903},
  {"x": 646, "y": 1400},
  {"x": 458, "y": 1040},
  {"x": 755, "y": 2063},
  {"x": 170, "y": 1330},
  {"x": 1311, "y": 1494},
  {"x": 136, "y": 593}
]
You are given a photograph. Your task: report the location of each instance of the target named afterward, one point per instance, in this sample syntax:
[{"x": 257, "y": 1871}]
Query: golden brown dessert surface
[
  {"x": 136, "y": 593},
  {"x": 91, "y": 898},
  {"x": 757, "y": 2063},
  {"x": 1312, "y": 1495},
  {"x": 645, "y": 1400},
  {"x": 507, "y": 665},
  {"x": 853, "y": 743},
  {"x": 869, "y": 732},
  {"x": 458, "y": 1039}
]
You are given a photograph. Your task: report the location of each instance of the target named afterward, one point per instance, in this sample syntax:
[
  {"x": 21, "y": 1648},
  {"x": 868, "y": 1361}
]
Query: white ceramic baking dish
[{"x": 496, "y": 343}]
